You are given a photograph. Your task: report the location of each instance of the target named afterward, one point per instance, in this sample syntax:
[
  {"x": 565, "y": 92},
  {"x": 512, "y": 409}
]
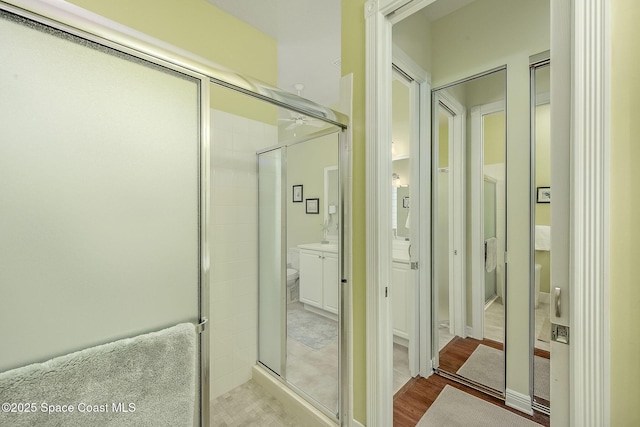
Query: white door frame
[
  {"x": 585, "y": 71},
  {"x": 580, "y": 37},
  {"x": 477, "y": 207}
]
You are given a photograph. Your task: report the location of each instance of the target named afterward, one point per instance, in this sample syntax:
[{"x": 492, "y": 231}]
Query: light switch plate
[{"x": 560, "y": 333}]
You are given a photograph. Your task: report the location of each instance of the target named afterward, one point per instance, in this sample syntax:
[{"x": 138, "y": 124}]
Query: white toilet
[
  {"x": 293, "y": 290},
  {"x": 537, "y": 281}
]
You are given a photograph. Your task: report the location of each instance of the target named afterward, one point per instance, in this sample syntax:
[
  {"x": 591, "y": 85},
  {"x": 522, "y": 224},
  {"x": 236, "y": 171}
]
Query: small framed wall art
[
  {"x": 313, "y": 206},
  {"x": 297, "y": 194},
  {"x": 544, "y": 195}
]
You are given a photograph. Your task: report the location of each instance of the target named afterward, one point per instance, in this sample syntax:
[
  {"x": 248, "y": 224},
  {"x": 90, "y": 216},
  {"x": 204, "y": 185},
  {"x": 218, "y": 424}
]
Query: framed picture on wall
[
  {"x": 313, "y": 206},
  {"x": 544, "y": 195},
  {"x": 297, "y": 194}
]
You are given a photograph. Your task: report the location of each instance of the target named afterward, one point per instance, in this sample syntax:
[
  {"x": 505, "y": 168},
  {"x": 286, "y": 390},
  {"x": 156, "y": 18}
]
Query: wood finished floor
[{"x": 412, "y": 401}]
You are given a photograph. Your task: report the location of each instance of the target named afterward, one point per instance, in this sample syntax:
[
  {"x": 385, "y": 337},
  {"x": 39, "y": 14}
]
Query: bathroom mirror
[
  {"x": 469, "y": 229},
  {"x": 541, "y": 229}
]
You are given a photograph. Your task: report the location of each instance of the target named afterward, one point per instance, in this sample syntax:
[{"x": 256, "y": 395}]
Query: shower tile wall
[{"x": 234, "y": 246}]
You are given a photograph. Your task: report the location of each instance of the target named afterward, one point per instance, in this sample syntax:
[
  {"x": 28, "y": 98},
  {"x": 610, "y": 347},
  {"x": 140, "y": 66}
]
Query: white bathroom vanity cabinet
[
  {"x": 401, "y": 300},
  {"x": 319, "y": 280},
  {"x": 402, "y": 293}
]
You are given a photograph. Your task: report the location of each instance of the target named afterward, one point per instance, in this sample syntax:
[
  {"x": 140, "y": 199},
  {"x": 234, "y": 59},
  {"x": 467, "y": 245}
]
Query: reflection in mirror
[
  {"x": 469, "y": 229},
  {"x": 541, "y": 223},
  {"x": 299, "y": 209},
  {"x": 313, "y": 270}
]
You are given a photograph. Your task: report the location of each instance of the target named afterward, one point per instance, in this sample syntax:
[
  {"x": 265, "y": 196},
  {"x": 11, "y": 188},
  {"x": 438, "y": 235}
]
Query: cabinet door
[
  {"x": 331, "y": 283},
  {"x": 311, "y": 278},
  {"x": 400, "y": 307}
]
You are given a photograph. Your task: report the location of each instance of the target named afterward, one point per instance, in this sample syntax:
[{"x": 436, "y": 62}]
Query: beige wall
[
  {"x": 401, "y": 132},
  {"x": 305, "y": 166},
  {"x": 625, "y": 207},
  {"x": 199, "y": 27},
  {"x": 494, "y": 148},
  {"x": 443, "y": 140},
  {"x": 412, "y": 35}
]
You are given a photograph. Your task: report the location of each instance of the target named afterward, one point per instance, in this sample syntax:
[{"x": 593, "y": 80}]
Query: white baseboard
[
  {"x": 470, "y": 333},
  {"x": 519, "y": 401},
  {"x": 401, "y": 341},
  {"x": 544, "y": 297},
  {"x": 355, "y": 423},
  {"x": 320, "y": 311},
  {"x": 291, "y": 401}
]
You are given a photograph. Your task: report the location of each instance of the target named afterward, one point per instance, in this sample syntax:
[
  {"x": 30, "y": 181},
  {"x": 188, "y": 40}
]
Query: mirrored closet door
[{"x": 469, "y": 229}]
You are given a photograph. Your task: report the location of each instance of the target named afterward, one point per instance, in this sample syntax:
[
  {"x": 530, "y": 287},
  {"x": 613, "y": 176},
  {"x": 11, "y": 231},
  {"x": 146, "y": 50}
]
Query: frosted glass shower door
[
  {"x": 271, "y": 277},
  {"x": 100, "y": 202}
]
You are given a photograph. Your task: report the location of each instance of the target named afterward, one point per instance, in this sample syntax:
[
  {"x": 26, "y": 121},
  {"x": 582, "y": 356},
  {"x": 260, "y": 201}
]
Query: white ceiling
[
  {"x": 438, "y": 9},
  {"x": 308, "y": 37}
]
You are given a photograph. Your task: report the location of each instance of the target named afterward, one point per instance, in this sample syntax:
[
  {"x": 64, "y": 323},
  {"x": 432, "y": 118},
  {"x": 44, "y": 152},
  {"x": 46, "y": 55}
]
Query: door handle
[{"x": 558, "y": 302}]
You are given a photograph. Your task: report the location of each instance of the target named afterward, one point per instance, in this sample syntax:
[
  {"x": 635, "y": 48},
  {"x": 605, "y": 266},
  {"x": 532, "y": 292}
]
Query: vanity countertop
[
  {"x": 400, "y": 249},
  {"x": 324, "y": 247}
]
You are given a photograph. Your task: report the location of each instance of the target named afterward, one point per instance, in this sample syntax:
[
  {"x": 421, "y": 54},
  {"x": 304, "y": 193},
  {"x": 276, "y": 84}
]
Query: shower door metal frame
[{"x": 90, "y": 26}]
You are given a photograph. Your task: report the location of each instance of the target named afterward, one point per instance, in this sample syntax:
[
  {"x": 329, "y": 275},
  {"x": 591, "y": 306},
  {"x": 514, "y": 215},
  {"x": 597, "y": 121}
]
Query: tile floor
[
  {"x": 401, "y": 373},
  {"x": 314, "y": 371},
  {"x": 444, "y": 335},
  {"x": 542, "y": 313},
  {"x": 494, "y": 322},
  {"x": 249, "y": 405}
]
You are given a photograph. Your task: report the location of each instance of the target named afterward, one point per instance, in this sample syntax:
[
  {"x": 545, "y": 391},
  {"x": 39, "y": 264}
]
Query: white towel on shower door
[
  {"x": 543, "y": 238},
  {"x": 490, "y": 254}
]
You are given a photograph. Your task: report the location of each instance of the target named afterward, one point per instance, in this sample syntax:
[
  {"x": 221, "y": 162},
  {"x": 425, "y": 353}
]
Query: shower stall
[{"x": 114, "y": 182}]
